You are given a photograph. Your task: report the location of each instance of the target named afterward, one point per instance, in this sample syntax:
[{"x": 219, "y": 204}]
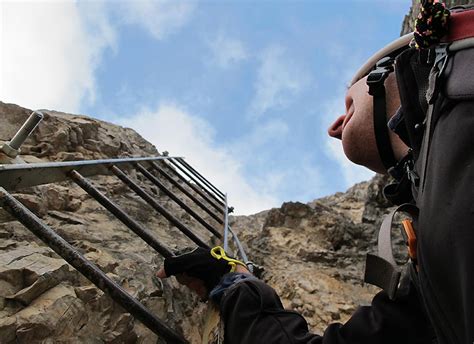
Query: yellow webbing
[{"x": 219, "y": 253}]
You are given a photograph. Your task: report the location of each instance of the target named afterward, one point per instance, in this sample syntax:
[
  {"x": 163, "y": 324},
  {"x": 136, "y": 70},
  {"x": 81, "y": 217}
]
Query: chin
[
  {"x": 363, "y": 156},
  {"x": 377, "y": 169}
]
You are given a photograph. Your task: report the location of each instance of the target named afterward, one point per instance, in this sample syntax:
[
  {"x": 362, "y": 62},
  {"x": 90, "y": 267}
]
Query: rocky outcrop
[
  {"x": 65, "y": 137},
  {"x": 43, "y": 299},
  {"x": 313, "y": 254}
]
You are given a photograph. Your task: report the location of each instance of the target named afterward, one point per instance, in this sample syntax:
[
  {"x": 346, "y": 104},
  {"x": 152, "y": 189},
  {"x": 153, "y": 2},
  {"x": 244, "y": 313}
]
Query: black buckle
[{"x": 376, "y": 77}]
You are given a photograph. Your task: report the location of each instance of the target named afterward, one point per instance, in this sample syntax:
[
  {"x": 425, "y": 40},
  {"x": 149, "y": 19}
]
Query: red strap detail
[{"x": 461, "y": 26}]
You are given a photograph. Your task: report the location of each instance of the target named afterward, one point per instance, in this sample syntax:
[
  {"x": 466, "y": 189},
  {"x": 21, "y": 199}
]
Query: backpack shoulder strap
[{"x": 381, "y": 269}]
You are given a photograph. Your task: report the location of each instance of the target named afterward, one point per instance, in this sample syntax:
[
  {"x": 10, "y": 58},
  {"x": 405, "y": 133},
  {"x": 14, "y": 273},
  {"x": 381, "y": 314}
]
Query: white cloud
[
  {"x": 173, "y": 129},
  {"x": 279, "y": 80},
  {"x": 300, "y": 180},
  {"x": 261, "y": 134},
  {"x": 309, "y": 179},
  {"x": 275, "y": 170},
  {"x": 49, "y": 51},
  {"x": 227, "y": 51},
  {"x": 351, "y": 172},
  {"x": 160, "y": 17},
  {"x": 48, "y": 55}
]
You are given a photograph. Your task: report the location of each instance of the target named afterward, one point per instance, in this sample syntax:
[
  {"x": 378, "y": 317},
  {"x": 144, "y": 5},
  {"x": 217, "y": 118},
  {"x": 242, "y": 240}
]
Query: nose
[{"x": 335, "y": 130}]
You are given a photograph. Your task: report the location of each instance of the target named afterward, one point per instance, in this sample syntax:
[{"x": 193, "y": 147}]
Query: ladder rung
[
  {"x": 201, "y": 177},
  {"x": 143, "y": 194},
  {"x": 163, "y": 188},
  {"x": 137, "y": 228},
  {"x": 195, "y": 180},
  {"x": 87, "y": 268},
  {"x": 186, "y": 192},
  {"x": 198, "y": 190}
]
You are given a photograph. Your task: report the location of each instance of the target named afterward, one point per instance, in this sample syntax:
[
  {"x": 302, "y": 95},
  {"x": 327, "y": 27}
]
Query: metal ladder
[{"x": 14, "y": 177}]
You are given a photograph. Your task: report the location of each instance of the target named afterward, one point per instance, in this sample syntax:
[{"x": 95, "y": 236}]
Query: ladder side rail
[
  {"x": 171, "y": 195},
  {"x": 201, "y": 177},
  {"x": 87, "y": 268},
  {"x": 237, "y": 242},
  {"x": 226, "y": 226},
  {"x": 186, "y": 192},
  {"x": 242, "y": 253},
  {"x": 198, "y": 181},
  {"x": 17, "y": 176},
  {"x": 136, "y": 227},
  {"x": 155, "y": 205},
  {"x": 195, "y": 188}
]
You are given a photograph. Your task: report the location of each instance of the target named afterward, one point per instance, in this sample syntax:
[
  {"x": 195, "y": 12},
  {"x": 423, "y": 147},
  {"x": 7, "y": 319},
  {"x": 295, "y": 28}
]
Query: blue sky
[{"x": 243, "y": 89}]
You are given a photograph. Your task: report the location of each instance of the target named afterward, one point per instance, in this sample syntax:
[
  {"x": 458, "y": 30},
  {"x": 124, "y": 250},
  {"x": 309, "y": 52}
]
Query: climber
[
  {"x": 432, "y": 161},
  {"x": 251, "y": 310}
]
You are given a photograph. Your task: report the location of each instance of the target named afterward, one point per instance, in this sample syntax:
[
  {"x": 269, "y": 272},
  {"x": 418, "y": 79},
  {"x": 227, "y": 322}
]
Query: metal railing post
[
  {"x": 86, "y": 268},
  {"x": 243, "y": 255},
  {"x": 226, "y": 226},
  {"x": 12, "y": 148}
]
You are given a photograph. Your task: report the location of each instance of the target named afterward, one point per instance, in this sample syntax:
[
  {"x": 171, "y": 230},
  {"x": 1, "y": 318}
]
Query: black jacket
[{"x": 252, "y": 313}]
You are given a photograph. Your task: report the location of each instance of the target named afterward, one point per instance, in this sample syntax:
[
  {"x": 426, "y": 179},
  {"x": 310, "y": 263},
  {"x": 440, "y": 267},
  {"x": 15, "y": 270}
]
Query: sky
[{"x": 244, "y": 90}]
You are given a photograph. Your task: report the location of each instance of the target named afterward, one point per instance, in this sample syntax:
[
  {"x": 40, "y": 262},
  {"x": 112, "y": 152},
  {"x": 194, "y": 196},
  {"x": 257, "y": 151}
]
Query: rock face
[
  {"x": 313, "y": 254},
  {"x": 42, "y": 298},
  {"x": 65, "y": 137}
]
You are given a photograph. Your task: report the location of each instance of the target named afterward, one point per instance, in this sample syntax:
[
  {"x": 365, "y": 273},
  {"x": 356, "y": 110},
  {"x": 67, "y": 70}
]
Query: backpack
[{"x": 436, "y": 120}]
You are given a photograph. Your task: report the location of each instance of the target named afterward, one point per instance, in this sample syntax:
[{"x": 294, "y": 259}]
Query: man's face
[{"x": 356, "y": 128}]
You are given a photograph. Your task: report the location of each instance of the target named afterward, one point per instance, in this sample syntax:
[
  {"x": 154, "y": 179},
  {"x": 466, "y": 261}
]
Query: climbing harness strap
[
  {"x": 375, "y": 81},
  {"x": 382, "y": 270}
]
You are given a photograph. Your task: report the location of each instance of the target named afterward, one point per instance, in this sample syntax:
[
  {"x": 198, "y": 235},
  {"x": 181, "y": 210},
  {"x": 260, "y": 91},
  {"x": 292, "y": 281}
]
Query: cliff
[
  {"x": 312, "y": 254},
  {"x": 42, "y": 298}
]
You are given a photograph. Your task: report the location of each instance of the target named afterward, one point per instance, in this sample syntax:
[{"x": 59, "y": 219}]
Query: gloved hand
[{"x": 200, "y": 269}]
